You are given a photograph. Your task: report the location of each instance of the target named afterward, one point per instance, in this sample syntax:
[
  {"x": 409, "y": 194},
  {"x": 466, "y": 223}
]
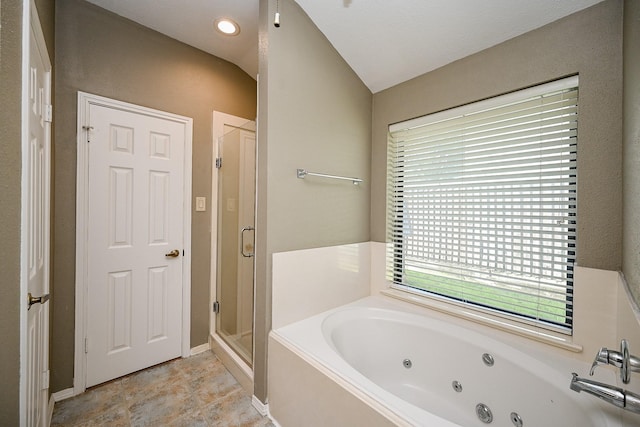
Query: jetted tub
[{"x": 422, "y": 371}]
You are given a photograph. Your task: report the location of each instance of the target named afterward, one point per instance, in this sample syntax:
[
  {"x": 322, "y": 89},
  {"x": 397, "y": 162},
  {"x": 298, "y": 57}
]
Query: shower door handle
[{"x": 246, "y": 255}]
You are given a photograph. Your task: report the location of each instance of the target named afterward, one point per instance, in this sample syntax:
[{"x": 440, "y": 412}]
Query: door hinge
[
  {"x": 88, "y": 129},
  {"x": 45, "y": 379},
  {"x": 216, "y": 307},
  {"x": 86, "y": 345},
  {"x": 48, "y": 113},
  {"x": 218, "y": 162}
]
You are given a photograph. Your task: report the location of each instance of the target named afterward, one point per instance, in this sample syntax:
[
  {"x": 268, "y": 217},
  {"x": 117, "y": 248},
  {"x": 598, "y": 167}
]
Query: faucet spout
[
  {"x": 610, "y": 394},
  {"x": 616, "y": 396}
]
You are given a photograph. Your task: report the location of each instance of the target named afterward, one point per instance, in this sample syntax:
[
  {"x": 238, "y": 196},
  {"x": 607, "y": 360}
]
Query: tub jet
[
  {"x": 488, "y": 359},
  {"x": 484, "y": 413},
  {"x": 516, "y": 420}
]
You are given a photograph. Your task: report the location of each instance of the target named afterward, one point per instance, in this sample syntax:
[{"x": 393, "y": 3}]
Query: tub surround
[
  {"x": 311, "y": 281},
  {"x": 628, "y": 314},
  {"x": 627, "y": 328},
  {"x": 594, "y": 314}
]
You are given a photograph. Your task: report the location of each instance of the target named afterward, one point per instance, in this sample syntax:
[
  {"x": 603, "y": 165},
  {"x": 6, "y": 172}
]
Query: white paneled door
[
  {"x": 135, "y": 241},
  {"x": 36, "y": 153}
]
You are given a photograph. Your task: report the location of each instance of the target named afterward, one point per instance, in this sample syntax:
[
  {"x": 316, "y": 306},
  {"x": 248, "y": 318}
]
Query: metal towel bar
[{"x": 302, "y": 173}]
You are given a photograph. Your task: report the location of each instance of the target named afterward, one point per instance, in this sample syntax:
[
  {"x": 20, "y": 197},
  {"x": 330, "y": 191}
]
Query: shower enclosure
[{"x": 236, "y": 166}]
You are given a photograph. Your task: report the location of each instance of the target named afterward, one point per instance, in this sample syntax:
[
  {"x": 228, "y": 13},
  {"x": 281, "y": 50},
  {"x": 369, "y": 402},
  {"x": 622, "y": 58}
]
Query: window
[{"x": 482, "y": 204}]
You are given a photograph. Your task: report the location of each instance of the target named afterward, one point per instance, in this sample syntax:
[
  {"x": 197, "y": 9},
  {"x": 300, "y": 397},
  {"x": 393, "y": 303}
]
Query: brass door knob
[
  {"x": 174, "y": 253},
  {"x": 36, "y": 300}
]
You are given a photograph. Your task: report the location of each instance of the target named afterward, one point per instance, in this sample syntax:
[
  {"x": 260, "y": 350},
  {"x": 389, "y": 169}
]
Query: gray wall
[
  {"x": 10, "y": 188},
  {"x": 315, "y": 113},
  {"x": 101, "y": 53},
  {"x": 631, "y": 165},
  {"x": 589, "y": 43}
]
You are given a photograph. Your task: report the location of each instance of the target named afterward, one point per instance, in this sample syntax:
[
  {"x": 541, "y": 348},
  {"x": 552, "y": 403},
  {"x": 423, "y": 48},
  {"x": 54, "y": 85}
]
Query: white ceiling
[
  {"x": 386, "y": 42},
  {"x": 191, "y": 22}
]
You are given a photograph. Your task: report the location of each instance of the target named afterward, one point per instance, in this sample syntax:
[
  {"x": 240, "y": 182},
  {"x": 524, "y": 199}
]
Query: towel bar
[{"x": 302, "y": 173}]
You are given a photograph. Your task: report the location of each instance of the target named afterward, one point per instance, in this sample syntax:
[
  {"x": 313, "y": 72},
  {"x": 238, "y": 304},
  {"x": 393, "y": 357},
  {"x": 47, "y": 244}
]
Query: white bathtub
[{"x": 365, "y": 346}]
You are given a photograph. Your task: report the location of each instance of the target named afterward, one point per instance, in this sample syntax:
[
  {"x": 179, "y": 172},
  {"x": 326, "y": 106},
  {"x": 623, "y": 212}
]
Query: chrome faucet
[
  {"x": 621, "y": 398},
  {"x": 620, "y": 359}
]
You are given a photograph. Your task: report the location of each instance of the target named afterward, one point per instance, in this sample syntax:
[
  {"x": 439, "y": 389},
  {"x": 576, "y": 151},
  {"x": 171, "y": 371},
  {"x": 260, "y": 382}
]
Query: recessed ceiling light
[{"x": 227, "y": 26}]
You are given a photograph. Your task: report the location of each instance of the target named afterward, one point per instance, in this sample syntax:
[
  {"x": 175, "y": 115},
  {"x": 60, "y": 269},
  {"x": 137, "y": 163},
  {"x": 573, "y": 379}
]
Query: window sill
[{"x": 538, "y": 334}]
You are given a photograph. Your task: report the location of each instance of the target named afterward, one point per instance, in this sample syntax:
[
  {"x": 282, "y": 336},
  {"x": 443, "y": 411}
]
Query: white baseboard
[
  {"x": 200, "y": 349},
  {"x": 63, "y": 394},
  {"x": 262, "y": 408}
]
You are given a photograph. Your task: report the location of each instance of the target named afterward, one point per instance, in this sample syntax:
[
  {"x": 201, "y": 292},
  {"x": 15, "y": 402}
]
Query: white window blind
[{"x": 482, "y": 204}]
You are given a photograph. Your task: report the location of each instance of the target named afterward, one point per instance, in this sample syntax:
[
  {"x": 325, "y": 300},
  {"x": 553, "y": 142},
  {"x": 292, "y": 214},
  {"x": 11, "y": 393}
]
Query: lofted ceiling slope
[{"x": 386, "y": 42}]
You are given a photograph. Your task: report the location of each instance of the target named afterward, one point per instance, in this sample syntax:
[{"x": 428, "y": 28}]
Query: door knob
[
  {"x": 174, "y": 253},
  {"x": 36, "y": 300}
]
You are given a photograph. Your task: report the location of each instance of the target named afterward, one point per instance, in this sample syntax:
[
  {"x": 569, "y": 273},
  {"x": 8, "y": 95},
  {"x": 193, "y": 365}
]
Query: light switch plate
[{"x": 201, "y": 204}]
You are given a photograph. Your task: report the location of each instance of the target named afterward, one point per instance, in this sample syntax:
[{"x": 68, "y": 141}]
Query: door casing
[{"x": 85, "y": 100}]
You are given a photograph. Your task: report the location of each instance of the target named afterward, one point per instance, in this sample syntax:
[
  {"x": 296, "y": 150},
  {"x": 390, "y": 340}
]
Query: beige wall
[
  {"x": 10, "y": 187},
  {"x": 46, "y": 13},
  {"x": 631, "y": 165},
  {"x": 101, "y": 53},
  {"x": 315, "y": 113},
  {"x": 589, "y": 43},
  {"x": 10, "y": 158}
]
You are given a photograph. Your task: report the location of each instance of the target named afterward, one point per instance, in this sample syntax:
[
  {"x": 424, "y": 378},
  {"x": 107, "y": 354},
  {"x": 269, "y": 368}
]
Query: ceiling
[{"x": 386, "y": 42}]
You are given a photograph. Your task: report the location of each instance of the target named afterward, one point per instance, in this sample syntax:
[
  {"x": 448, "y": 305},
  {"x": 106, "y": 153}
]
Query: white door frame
[
  {"x": 31, "y": 22},
  {"x": 85, "y": 100}
]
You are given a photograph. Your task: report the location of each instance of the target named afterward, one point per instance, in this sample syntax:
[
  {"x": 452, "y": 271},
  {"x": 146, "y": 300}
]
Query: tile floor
[{"x": 196, "y": 391}]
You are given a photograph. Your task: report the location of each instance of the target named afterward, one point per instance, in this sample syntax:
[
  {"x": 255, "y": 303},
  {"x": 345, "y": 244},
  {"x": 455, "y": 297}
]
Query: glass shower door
[{"x": 236, "y": 237}]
